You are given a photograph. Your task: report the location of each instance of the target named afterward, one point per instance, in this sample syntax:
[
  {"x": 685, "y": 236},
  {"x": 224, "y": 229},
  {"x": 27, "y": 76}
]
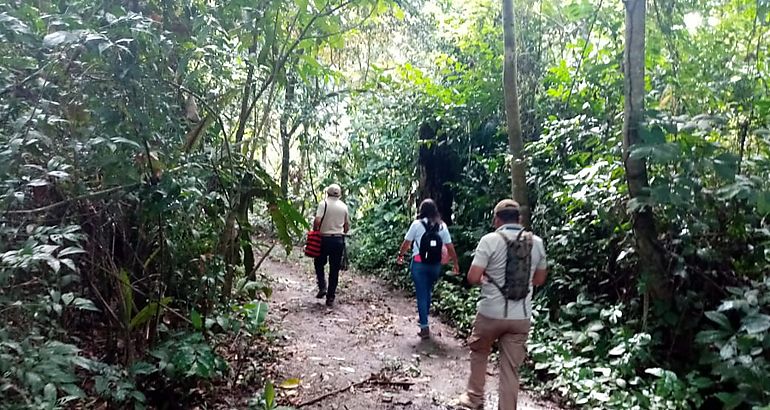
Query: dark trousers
[{"x": 332, "y": 248}]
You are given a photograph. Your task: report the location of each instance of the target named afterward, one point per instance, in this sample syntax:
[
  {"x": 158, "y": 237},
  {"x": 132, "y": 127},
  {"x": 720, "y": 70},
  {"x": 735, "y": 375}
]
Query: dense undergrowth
[
  {"x": 601, "y": 339},
  {"x": 132, "y": 199},
  {"x": 128, "y": 275},
  {"x": 594, "y": 342}
]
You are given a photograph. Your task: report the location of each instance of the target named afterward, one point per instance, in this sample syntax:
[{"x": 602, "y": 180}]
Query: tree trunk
[
  {"x": 511, "y": 92},
  {"x": 437, "y": 167},
  {"x": 245, "y": 104},
  {"x": 651, "y": 259},
  {"x": 285, "y": 161},
  {"x": 286, "y": 135}
]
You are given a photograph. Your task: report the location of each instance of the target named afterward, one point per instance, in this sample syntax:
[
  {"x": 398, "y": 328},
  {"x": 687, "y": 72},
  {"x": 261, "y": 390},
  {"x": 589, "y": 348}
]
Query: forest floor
[{"x": 371, "y": 332}]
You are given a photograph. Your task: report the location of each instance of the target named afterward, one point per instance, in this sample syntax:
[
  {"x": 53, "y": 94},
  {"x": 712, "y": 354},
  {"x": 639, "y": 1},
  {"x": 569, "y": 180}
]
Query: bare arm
[
  {"x": 539, "y": 278},
  {"x": 406, "y": 245},
  {"x": 450, "y": 248},
  {"x": 346, "y": 226},
  {"x": 317, "y": 223},
  {"x": 476, "y": 275}
]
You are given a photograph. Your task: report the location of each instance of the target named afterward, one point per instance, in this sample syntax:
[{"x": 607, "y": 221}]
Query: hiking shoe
[
  {"x": 320, "y": 294},
  {"x": 465, "y": 401},
  {"x": 424, "y": 333},
  {"x": 330, "y": 302}
]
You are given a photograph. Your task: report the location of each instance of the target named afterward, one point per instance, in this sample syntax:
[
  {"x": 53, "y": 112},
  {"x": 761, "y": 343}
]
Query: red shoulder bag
[{"x": 313, "y": 241}]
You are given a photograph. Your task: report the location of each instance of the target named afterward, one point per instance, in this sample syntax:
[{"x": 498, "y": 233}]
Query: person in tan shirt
[
  {"x": 333, "y": 221},
  {"x": 497, "y": 319}
]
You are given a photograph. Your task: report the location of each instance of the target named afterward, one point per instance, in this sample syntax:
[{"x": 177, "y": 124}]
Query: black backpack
[
  {"x": 518, "y": 267},
  {"x": 430, "y": 244}
]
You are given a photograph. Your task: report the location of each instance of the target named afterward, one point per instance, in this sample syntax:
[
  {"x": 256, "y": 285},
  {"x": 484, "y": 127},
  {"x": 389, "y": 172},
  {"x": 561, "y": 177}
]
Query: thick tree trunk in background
[
  {"x": 437, "y": 165},
  {"x": 510, "y": 88},
  {"x": 651, "y": 259},
  {"x": 286, "y": 136}
]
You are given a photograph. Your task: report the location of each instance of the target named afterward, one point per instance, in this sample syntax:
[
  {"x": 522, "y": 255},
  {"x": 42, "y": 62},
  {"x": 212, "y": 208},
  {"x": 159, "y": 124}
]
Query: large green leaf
[
  {"x": 730, "y": 400},
  {"x": 711, "y": 336},
  {"x": 756, "y": 323},
  {"x": 196, "y": 319},
  {"x": 58, "y": 38},
  {"x": 148, "y": 312},
  {"x": 720, "y": 319},
  {"x": 269, "y": 395}
]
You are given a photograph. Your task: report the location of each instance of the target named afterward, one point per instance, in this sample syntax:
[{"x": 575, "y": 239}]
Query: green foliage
[
  {"x": 456, "y": 304},
  {"x": 39, "y": 374},
  {"x": 595, "y": 358},
  {"x": 737, "y": 348},
  {"x": 118, "y": 385},
  {"x": 188, "y": 355},
  {"x": 381, "y": 231},
  {"x": 599, "y": 341},
  {"x": 248, "y": 318},
  {"x": 126, "y": 192}
]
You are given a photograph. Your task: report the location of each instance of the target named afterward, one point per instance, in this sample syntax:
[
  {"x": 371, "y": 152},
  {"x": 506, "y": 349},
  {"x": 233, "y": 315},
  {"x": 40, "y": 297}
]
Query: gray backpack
[{"x": 518, "y": 267}]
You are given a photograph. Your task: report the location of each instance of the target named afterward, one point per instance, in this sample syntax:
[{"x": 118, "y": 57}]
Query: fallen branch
[
  {"x": 372, "y": 379},
  {"x": 404, "y": 383},
  {"x": 332, "y": 393}
]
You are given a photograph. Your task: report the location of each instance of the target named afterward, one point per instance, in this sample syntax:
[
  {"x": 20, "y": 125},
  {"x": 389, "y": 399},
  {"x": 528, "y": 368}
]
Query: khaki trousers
[{"x": 512, "y": 337}]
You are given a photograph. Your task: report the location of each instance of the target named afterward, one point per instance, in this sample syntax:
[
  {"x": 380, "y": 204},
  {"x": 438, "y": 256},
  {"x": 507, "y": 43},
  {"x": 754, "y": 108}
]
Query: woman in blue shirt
[{"x": 426, "y": 274}]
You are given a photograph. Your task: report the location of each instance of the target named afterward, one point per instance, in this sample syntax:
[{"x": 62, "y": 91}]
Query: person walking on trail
[
  {"x": 333, "y": 222},
  {"x": 427, "y": 237},
  {"x": 507, "y": 264}
]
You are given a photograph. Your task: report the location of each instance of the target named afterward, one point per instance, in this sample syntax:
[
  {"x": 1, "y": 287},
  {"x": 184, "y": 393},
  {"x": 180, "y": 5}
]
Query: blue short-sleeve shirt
[{"x": 416, "y": 230}]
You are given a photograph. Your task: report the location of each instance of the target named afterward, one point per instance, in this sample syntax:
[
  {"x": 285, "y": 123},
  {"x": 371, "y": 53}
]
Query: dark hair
[
  {"x": 508, "y": 216},
  {"x": 428, "y": 209}
]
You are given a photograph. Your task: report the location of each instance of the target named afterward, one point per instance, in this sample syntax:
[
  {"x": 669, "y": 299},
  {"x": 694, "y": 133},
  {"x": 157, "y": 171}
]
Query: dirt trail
[{"x": 371, "y": 330}]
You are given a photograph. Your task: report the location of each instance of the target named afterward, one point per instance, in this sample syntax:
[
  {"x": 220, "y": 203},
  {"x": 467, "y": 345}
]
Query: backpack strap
[
  {"x": 505, "y": 239},
  {"x": 428, "y": 226},
  {"x": 502, "y": 290},
  {"x": 322, "y": 217},
  {"x": 417, "y": 243}
]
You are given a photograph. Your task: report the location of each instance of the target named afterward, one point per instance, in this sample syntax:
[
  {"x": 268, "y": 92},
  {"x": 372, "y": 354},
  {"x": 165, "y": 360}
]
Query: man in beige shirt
[
  {"x": 498, "y": 319},
  {"x": 333, "y": 221}
]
